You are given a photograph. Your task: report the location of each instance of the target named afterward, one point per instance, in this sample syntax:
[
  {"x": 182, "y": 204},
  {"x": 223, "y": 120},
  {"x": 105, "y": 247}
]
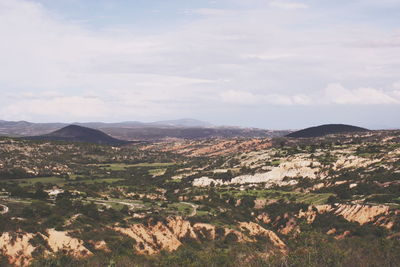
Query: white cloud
[
  {"x": 210, "y": 12},
  {"x": 269, "y": 56},
  {"x": 396, "y": 86},
  {"x": 380, "y": 3},
  {"x": 288, "y": 5},
  {"x": 333, "y": 94},
  {"x": 337, "y": 94},
  {"x": 248, "y": 98},
  {"x": 64, "y": 108},
  {"x": 126, "y": 73},
  {"x": 33, "y": 95},
  {"x": 239, "y": 97}
]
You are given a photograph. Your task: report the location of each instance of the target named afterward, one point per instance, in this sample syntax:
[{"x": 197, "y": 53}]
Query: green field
[
  {"x": 181, "y": 208},
  {"x": 59, "y": 181},
  {"x": 174, "y": 181},
  {"x": 314, "y": 199},
  {"x": 123, "y": 166},
  {"x": 307, "y": 198},
  {"x": 156, "y": 164},
  {"x": 157, "y": 172},
  {"x": 44, "y": 180},
  {"x": 101, "y": 180}
]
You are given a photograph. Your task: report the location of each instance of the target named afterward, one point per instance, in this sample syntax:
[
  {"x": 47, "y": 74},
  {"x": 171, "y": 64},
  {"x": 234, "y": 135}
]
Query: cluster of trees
[{"x": 41, "y": 214}]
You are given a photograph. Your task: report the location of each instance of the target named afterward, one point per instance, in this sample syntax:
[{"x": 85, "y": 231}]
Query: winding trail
[{"x": 108, "y": 202}]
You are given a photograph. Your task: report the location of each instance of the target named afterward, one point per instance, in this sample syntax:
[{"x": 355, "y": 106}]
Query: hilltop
[
  {"x": 75, "y": 133},
  {"x": 326, "y": 129}
]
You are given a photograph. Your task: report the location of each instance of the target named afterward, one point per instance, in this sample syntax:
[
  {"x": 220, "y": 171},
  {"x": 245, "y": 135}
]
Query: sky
[{"x": 274, "y": 64}]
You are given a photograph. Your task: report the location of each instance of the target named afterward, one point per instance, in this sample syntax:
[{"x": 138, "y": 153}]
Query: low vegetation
[{"x": 324, "y": 201}]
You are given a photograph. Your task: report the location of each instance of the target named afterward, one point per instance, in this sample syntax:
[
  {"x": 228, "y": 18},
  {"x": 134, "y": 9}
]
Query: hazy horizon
[
  {"x": 148, "y": 123},
  {"x": 272, "y": 64}
]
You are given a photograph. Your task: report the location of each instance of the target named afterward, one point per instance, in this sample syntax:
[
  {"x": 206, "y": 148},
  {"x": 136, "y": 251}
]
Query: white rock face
[
  {"x": 205, "y": 181},
  {"x": 277, "y": 174},
  {"x": 353, "y": 162},
  {"x": 291, "y": 169}
]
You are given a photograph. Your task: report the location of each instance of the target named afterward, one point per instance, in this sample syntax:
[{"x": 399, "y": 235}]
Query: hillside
[
  {"x": 75, "y": 133},
  {"x": 207, "y": 202},
  {"x": 326, "y": 129}
]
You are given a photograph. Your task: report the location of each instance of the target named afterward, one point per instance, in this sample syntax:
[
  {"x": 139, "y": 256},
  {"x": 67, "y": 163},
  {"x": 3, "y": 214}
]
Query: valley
[
  {"x": 196, "y": 202},
  {"x": 182, "y": 133}
]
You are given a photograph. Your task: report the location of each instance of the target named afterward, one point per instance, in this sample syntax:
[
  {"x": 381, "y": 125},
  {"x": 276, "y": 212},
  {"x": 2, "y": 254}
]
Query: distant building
[{"x": 53, "y": 193}]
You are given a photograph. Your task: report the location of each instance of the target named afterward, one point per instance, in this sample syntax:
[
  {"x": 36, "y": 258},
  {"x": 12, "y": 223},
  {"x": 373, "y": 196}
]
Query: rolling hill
[
  {"x": 326, "y": 129},
  {"x": 75, "y": 133}
]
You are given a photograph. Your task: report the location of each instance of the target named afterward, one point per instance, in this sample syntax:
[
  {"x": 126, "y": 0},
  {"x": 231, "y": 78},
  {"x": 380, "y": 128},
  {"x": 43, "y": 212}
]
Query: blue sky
[{"x": 261, "y": 63}]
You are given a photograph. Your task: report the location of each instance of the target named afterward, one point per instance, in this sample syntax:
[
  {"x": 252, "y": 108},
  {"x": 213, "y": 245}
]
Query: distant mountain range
[
  {"x": 134, "y": 131},
  {"x": 75, "y": 133},
  {"x": 326, "y": 129},
  {"x": 25, "y": 128}
]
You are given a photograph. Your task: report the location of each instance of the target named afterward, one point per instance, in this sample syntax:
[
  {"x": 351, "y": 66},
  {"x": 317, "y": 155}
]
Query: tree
[
  {"x": 40, "y": 194},
  {"x": 248, "y": 202}
]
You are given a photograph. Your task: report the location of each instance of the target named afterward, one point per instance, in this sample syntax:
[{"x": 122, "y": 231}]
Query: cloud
[
  {"x": 288, "y": 5},
  {"x": 64, "y": 108},
  {"x": 240, "y": 97},
  {"x": 337, "y": 94},
  {"x": 148, "y": 96},
  {"x": 204, "y": 65},
  {"x": 396, "y": 85},
  {"x": 269, "y": 56},
  {"x": 380, "y": 3},
  {"x": 333, "y": 94},
  {"x": 210, "y": 12},
  {"x": 251, "y": 99},
  {"x": 387, "y": 41}
]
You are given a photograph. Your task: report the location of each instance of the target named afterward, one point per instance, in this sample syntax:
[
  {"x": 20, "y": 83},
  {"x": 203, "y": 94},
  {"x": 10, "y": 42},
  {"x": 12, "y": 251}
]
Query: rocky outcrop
[
  {"x": 206, "y": 230},
  {"x": 348, "y": 162},
  {"x": 285, "y": 224},
  {"x": 151, "y": 239},
  {"x": 211, "y": 147},
  {"x": 167, "y": 235},
  {"x": 353, "y": 213},
  {"x": 379, "y": 215},
  {"x": 100, "y": 245},
  {"x": 18, "y": 247},
  {"x": 296, "y": 167},
  {"x": 61, "y": 241},
  {"x": 257, "y": 230},
  {"x": 290, "y": 226},
  {"x": 205, "y": 181},
  {"x": 361, "y": 213}
]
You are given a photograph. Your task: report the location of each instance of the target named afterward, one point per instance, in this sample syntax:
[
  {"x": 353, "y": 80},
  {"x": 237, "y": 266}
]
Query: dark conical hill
[
  {"x": 75, "y": 133},
  {"x": 326, "y": 129}
]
